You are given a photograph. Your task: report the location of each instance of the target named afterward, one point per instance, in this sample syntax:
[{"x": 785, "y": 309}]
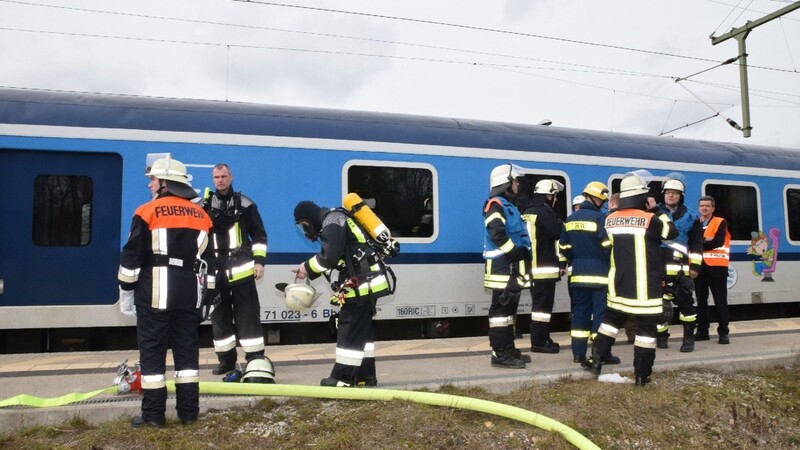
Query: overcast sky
[{"x": 603, "y": 65}]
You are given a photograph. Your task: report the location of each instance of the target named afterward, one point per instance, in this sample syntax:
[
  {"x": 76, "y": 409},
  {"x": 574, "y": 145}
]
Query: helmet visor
[{"x": 307, "y": 229}]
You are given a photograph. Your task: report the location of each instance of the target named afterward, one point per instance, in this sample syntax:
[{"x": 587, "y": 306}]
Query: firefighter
[
  {"x": 506, "y": 247},
  {"x": 544, "y": 229},
  {"x": 161, "y": 266},
  {"x": 576, "y": 202},
  {"x": 682, "y": 257},
  {"x": 636, "y": 230},
  {"x": 362, "y": 280},
  {"x": 586, "y": 247},
  {"x": 241, "y": 243}
]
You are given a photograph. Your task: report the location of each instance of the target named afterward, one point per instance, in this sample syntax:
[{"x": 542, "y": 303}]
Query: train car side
[{"x": 78, "y": 174}]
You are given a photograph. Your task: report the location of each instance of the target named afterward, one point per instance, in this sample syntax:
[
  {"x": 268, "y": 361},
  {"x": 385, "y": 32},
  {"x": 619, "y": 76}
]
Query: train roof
[{"x": 76, "y": 109}]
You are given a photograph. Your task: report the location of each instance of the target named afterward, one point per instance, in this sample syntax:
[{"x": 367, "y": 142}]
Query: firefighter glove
[
  {"x": 126, "y": 306},
  {"x": 518, "y": 253},
  {"x": 509, "y": 296}
]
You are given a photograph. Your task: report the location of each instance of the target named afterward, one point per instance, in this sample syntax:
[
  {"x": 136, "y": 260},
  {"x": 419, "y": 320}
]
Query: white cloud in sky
[{"x": 559, "y": 64}]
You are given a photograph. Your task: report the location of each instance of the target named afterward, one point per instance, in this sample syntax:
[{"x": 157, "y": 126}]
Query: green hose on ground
[
  {"x": 427, "y": 398},
  {"x": 38, "y": 402},
  {"x": 290, "y": 390}
]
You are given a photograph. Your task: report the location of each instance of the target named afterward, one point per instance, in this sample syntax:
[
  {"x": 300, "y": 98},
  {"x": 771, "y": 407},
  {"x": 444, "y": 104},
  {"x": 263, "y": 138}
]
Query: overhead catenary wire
[
  {"x": 284, "y": 30},
  {"x": 507, "y": 67},
  {"x": 788, "y": 47},
  {"x": 338, "y": 36},
  {"x": 312, "y": 33},
  {"x": 726, "y": 17},
  {"x": 293, "y": 49},
  {"x": 688, "y": 124},
  {"x": 756, "y": 93},
  {"x": 723, "y": 63},
  {"x": 730, "y": 121},
  {"x": 718, "y": 2},
  {"x": 478, "y": 28},
  {"x": 596, "y": 69},
  {"x": 672, "y": 108}
]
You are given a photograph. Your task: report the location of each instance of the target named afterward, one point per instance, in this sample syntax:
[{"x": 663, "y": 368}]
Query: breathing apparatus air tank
[{"x": 366, "y": 218}]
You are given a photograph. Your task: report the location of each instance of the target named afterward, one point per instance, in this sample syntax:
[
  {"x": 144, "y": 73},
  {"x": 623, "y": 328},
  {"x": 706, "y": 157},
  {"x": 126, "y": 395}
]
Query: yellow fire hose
[{"x": 290, "y": 390}]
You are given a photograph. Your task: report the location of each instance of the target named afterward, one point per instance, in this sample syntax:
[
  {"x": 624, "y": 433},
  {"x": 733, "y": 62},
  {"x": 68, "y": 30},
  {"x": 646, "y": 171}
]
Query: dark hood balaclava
[{"x": 308, "y": 216}]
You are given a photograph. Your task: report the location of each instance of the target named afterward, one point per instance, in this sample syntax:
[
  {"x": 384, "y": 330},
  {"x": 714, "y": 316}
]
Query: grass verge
[{"x": 686, "y": 409}]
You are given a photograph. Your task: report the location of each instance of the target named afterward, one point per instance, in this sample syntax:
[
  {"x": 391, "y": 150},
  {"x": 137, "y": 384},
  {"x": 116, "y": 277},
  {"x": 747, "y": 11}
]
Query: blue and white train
[{"x": 73, "y": 169}]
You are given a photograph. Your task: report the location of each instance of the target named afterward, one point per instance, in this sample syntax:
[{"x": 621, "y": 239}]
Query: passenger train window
[
  {"x": 528, "y": 181},
  {"x": 62, "y": 210},
  {"x": 793, "y": 213},
  {"x": 402, "y": 196},
  {"x": 738, "y": 205}
]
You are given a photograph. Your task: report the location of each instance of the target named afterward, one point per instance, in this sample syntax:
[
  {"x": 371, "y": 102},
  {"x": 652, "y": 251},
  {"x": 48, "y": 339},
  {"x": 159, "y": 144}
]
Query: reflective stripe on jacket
[
  {"x": 503, "y": 228},
  {"x": 168, "y": 234},
  {"x": 239, "y": 234},
  {"x": 544, "y": 229},
  {"x": 634, "y": 281},
  {"x": 586, "y": 246},
  {"x": 718, "y": 256},
  {"x": 685, "y": 252}
]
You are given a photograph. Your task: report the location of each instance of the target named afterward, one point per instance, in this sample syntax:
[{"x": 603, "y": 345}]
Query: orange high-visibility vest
[{"x": 719, "y": 256}]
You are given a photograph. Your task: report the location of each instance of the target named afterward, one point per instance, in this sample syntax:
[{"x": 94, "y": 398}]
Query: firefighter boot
[
  {"x": 516, "y": 353},
  {"x": 224, "y": 367},
  {"x": 593, "y": 365},
  {"x": 688, "y": 338},
  {"x": 662, "y": 339},
  {"x": 506, "y": 360}
]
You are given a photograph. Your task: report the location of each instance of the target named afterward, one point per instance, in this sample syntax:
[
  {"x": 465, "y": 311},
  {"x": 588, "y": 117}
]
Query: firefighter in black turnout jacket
[
  {"x": 362, "y": 280},
  {"x": 636, "y": 230},
  {"x": 241, "y": 243},
  {"x": 506, "y": 249},
  {"x": 544, "y": 229},
  {"x": 162, "y": 267}
]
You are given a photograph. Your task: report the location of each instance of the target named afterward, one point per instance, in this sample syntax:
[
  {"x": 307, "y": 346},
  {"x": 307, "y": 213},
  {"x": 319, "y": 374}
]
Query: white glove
[{"x": 126, "y": 306}]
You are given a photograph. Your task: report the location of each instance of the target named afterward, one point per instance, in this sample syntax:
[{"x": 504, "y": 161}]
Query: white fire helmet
[
  {"x": 259, "y": 370},
  {"x": 577, "y": 200},
  {"x": 168, "y": 169},
  {"x": 504, "y": 174},
  {"x": 300, "y": 296},
  {"x": 548, "y": 187},
  {"x": 635, "y": 183},
  {"x": 674, "y": 181}
]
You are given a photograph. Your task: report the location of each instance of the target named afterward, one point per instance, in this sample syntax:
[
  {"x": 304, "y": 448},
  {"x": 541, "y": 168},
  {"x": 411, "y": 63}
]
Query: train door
[{"x": 59, "y": 227}]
